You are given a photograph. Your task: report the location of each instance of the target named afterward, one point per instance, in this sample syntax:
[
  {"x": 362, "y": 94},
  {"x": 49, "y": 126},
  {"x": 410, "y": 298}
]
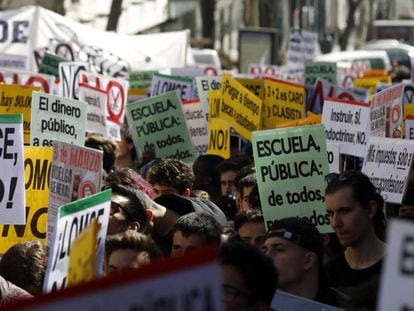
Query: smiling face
[{"x": 350, "y": 220}]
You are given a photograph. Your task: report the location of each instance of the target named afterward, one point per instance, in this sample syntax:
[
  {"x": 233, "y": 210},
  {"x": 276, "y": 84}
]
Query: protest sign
[
  {"x": 82, "y": 259},
  {"x": 140, "y": 79},
  {"x": 386, "y": 112},
  {"x": 57, "y": 118},
  {"x": 256, "y": 86},
  {"x": 320, "y": 70},
  {"x": 46, "y": 83},
  {"x": 204, "y": 85},
  {"x": 239, "y": 107},
  {"x": 190, "y": 282},
  {"x": 259, "y": 70},
  {"x": 334, "y": 156},
  {"x": 69, "y": 76},
  {"x": 69, "y": 223},
  {"x": 291, "y": 164},
  {"x": 219, "y": 138},
  {"x": 387, "y": 164},
  {"x": 301, "y": 48},
  {"x": 311, "y": 119},
  {"x": 16, "y": 99},
  {"x": 324, "y": 89},
  {"x": 50, "y": 64},
  {"x": 283, "y": 301},
  {"x": 214, "y": 101},
  {"x": 13, "y": 61},
  {"x": 96, "y": 110},
  {"x": 76, "y": 172},
  {"x": 398, "y": 269},
  {"x": 12, "y": 196},
  {"x": 347, "y": 122},
  {"x": 283, "y": 101},
  {"x": 189, "y": 72},
  {"x": 116, "y": 99},
  {"x": 162, "y": 84},
  {"x": 196, "y": 121},
  {"x": 409, "y": 121},
  {"x": 37, "y": 164},
  {"x": 370, "y": 83},
  {"x": 158, "y": 124}
]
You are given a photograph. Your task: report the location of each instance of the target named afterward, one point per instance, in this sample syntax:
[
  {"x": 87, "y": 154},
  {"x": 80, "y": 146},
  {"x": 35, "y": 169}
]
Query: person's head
[
  {"x": 228, "y": 171},
  {"x": 296, "y": 247},
  {"x": 109, "y": 148},
  {"x": 246, "y": 185},
  {"x": 194, "y": 231},
  {"x": 354, "y": 206},
  {"x": 128, "y": 209},
  {"x": 24, "y": 264},
  {"x": 129, "y": 249},
  {"x": 171, "y": 176},
  {"x": 206, "y": 176},
  {"x": 227, "y": 203},
  {"x": 250, "y": 226},
  {"x": 128, "y": 177},
  {"x": 249, "y": 277},
  {"x": 126, "y": 145}
]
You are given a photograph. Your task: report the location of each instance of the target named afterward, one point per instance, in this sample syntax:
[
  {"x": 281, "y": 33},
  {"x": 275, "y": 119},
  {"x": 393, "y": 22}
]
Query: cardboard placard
[
  {"x": 196, "y": 120},
  {"x": 219, "y": 138},
  {"x": 162, "y": 84}
]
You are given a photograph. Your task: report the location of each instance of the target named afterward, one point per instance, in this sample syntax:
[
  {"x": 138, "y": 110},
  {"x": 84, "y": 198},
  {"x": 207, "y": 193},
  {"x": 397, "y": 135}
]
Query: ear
[
  {"x": 310, "y": 260},
  {"x": 372, "y": 208},
  {"x": 186, "y": 192},
  {"x": 134, "y": 225},
  {"x": 150, "y": 214}
]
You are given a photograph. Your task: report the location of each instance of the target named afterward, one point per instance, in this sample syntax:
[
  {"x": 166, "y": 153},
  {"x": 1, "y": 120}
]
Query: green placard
[
  {"x": 158, "y": 123},
  {"x": 291, "y": 164},
  {"x": 85, "y": 203},
  {"x": 321, "y": 70},
  {"x": 140, "y": 79},
  {"x": 50, "y": 64}
]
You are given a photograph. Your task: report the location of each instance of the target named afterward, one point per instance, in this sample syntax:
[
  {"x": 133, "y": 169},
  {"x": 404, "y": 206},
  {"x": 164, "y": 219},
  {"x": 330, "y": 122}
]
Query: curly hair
[{"x": 171, "y": 172}]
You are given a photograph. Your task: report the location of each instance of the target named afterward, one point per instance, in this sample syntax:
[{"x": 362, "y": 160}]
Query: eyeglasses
[
  {"x": 230, "y": 293},
  {"x": 331, "y": 177},
  {"x": 116, "y": 207}
]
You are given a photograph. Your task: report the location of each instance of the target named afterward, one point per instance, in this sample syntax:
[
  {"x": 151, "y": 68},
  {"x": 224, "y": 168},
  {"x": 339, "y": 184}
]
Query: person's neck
[
  {"x": 366, "y": 252},
  {"x": 124, "y": 161},
  {"x": 307, "y": 287}
]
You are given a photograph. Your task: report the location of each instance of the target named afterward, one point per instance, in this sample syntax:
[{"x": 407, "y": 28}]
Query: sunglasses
[
  {"x": 116, "y": 207},
  {"x": 331, "y": 177}
]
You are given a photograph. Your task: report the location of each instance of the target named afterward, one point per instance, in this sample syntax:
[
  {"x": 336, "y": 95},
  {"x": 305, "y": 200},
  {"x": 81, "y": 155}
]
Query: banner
[
  {"x": 320, "y": 70},
  {"x": 347, "y": 123},
  {"x": 301, "y": 48},
  {"x": 12, "y": 196},
  {"x": 204, "y": 85},
  {"x": 190, "y": 282},
  {"x": 76, "y": 172},
  {"x": 158, "y": 124},
  {"x": 57, "y": 118},
  {"x": 219, "y": 138},
  {"x": 162, "y": 84},
  {"x": 283, "y": 101},
  {"x": 116, "y": 99},
  {"x": 239, "y": 107},
  {"x": 70, "y": 222},
  {"x": 398, "y": 270},
  {"x": 46, "y": 83},
  {"x": 197, "y": 124},
  {"x": 387, "y": 164},
  {"x": 69, "y": 76},
  {"x": 13, "y": 61},
  {"x": 290, "y": 165},
  {"x": 37, "y": 164},
  {"x": 16, "y": 99}
]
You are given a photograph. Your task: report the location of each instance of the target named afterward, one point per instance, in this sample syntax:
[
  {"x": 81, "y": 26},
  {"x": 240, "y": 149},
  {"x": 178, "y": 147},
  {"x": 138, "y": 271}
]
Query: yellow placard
[
  {"x": 256, "y": 86},
  {"x": 408, "y": 121},
  {"x": 82, "y": 259},
  {"x": 371, "y": 83},
  {"x": 37, "y": 165},
  {"x": 219, "y": 138},
  {"x": 283, "y": 101},
  {"x": 239, "y": 107},
  {"x": 16, "y": 99},
  {"x": 311, "y": 119},
  {"x": 214, "y": 98}
]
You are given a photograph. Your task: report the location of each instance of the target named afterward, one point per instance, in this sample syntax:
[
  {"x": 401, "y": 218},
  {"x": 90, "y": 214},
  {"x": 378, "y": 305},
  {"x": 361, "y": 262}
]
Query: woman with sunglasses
[{"x": 355, "y": 210}]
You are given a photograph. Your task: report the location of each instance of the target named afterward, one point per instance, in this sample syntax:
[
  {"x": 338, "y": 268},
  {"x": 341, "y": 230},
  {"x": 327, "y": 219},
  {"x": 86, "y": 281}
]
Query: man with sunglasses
[{"x": 355, "y": 210}]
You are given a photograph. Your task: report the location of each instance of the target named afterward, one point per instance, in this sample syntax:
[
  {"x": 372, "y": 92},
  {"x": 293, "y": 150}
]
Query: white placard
[
  {"x": 196, "y": 120},
  {"x": 334, "y": 156}
]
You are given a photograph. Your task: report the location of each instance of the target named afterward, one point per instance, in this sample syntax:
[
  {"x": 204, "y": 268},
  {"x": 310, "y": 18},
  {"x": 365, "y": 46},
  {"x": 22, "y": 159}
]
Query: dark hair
[
  {"x": 206, "y": 176},
  {"x": 227, "y": 203},
  {"x": 247, "y": 216},
  {"x": 128, "y": 138},
  {"x": 254, "y": 199},
  {"x": 109, "y": 148},
  {"x": 363, "y": 191},
  {"x": 132, "y": 240},
  {"x": 228, "y": 165},
  {"x": 136, "y": 205},
  {"x": 171, "y": 172},
  {"x": 247, "y": 181},
  {"x": 200, "y": 224},
  {"x": 24, "y": 264},
  {"x": 257, "y": 269}
]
